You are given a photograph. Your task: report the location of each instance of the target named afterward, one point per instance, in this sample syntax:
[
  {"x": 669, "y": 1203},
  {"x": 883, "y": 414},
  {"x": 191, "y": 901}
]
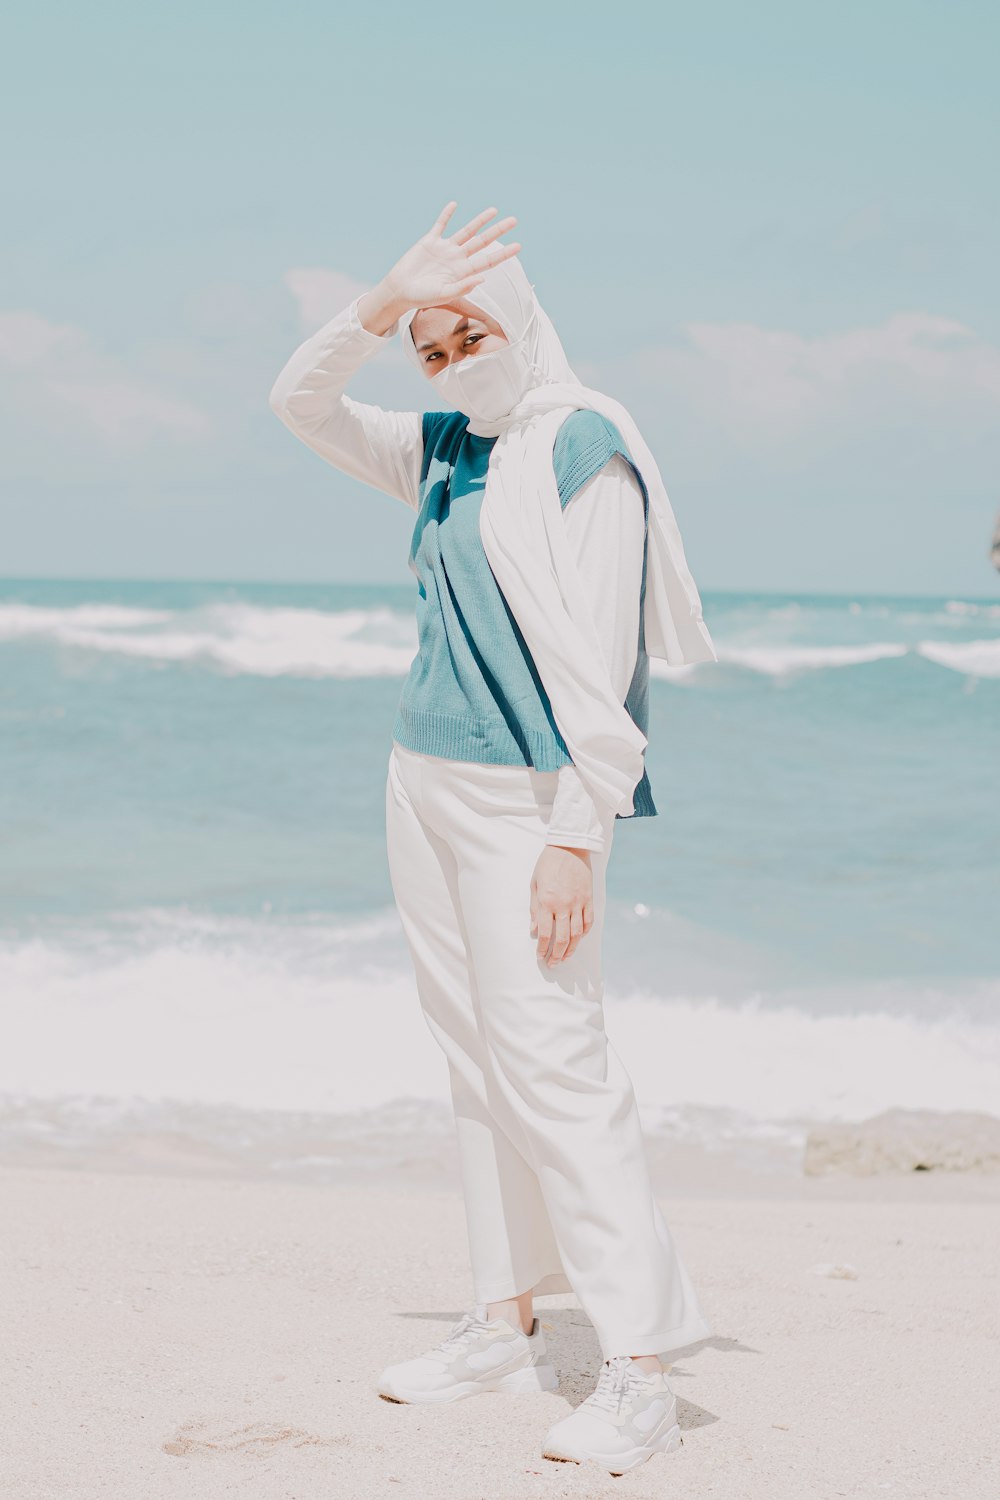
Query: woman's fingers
[
  {"x": 468, "y": 230},
  {"x": 576, "y": 930},
  {"x": 459, "y": 288},
  {"x": 543, "y": 922},
  {"x": 488, "y": 258},
  {"x": 437, "y": 270},
  {"x": 563, "y": 929},
  {"x": 438, "y": 226},
  {"x": 561, "y": 940},
  {"x": 480, "y": 241}
]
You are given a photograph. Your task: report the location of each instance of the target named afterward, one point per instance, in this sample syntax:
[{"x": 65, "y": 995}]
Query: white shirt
[{"x": 605, "y": 519}]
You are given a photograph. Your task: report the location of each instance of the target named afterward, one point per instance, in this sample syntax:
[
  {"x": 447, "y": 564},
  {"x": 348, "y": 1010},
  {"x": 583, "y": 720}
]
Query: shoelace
[
  {"x": 615, "y": 1381},
  {"x": 467, "y": 1328}
]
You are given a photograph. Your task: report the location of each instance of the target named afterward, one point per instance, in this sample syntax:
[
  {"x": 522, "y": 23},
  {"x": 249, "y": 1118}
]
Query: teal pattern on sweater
[{"x": 473, "y": 691}]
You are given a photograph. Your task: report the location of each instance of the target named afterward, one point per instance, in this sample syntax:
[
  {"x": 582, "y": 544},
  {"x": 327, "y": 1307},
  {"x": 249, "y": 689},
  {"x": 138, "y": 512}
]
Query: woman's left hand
[{"x": 562, "y": 901}]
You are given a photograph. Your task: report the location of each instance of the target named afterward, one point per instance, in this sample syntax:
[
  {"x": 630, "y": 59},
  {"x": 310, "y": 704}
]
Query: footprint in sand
[{"x": 195, "y": 1438}]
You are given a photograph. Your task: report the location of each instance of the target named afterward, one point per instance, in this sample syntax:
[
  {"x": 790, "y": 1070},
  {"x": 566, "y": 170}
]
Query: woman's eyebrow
[{"x": 463, "y": 322}]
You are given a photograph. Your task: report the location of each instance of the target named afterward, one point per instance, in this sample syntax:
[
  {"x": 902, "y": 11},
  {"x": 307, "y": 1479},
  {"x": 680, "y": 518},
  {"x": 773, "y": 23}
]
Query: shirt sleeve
[
  {"x": 381, "y": 448},
  {"x": 606, "y": 525}
]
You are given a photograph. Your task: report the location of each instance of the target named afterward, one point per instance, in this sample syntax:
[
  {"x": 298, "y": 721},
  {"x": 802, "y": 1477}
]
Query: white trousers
[{"x": 554, "y": 1169}]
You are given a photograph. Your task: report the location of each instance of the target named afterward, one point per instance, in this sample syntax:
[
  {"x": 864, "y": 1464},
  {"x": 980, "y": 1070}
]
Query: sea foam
[
  {"x": 323, "y": 1016},
  {"x": 274, "y": 641}
]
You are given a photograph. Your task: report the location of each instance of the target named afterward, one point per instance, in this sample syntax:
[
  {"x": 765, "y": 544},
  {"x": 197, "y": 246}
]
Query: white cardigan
[{"x": 605, "y": 520}]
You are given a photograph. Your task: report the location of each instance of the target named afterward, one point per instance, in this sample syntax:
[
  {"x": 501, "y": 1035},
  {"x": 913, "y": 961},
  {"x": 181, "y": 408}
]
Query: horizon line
[{"x": 87, "y": 578}]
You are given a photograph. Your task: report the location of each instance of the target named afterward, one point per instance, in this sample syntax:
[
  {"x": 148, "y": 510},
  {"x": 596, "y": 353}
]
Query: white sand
[{"x": 170, "y": 1336}]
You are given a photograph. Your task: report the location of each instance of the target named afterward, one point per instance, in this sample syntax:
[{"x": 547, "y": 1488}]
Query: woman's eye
[{"x": 472, "y": 338}]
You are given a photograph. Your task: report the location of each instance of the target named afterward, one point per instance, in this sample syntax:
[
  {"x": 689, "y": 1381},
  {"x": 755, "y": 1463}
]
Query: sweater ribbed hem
[
  {"x": 484, "y": 740},
  {"x": 489, "y": 742}
]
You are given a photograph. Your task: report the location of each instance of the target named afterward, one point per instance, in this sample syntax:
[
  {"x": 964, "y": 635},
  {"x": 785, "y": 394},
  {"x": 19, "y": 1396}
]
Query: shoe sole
[
  {"x": 620, "y": 1463},
  {"x": 527, "y": 1381}
]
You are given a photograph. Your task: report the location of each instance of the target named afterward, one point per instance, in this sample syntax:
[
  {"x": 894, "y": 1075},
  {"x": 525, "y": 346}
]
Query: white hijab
[{"x": 526, "y": 545}]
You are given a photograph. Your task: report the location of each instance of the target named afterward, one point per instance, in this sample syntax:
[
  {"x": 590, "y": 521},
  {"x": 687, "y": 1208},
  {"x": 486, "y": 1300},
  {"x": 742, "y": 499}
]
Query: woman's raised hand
[{"x": 438, "y": 268}]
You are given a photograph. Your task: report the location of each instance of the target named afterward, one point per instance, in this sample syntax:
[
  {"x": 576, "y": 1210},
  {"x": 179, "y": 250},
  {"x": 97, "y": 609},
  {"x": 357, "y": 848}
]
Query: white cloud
[
  {"x": 772, "y": 381},
  {"x": 321, "y": 293},
  {"x": 51, "y": 366},
  {"x": 28, "y": 342},
  {"x": 123, "y": 412},
  {"x": 913, "y": 391},
  {"x": 781, "y": 373}
]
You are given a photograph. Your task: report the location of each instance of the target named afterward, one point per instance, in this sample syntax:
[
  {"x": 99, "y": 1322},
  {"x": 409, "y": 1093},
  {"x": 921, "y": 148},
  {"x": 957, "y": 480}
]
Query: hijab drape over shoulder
[{"x": 523, "y": 534}]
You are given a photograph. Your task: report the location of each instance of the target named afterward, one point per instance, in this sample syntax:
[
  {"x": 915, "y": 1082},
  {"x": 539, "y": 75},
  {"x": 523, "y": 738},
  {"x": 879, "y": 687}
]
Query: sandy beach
[
  {"x": 198, "y": 1334},
  {"x": 227, "y": 1152},
  {"x": 333, "y": 512}
]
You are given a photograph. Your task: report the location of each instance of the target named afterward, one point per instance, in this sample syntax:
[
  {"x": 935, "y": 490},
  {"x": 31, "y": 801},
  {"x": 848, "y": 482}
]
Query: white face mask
[{"x": 486, "y": 386}]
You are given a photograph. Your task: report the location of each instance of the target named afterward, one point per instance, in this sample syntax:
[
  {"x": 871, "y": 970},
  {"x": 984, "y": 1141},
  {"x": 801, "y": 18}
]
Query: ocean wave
[
  {"x": 322, "y": 1016},
  {"x": 963, "y": 607},
  {"x": 408, "y": 1137},
  {"x": 18, "y": 620},
  {"x": 778, "y": 661},
  {"x": 275, "y": 641},
  {"x": 972, "y": 658},
  {"x": 238, "y": 638}
]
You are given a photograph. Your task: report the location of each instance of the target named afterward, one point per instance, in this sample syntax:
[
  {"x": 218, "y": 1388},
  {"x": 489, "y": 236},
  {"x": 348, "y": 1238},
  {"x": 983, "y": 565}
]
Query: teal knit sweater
[{"x": 473, "y": 691}]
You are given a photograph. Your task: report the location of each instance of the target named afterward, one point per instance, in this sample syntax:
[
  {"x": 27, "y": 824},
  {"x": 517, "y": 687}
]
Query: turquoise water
[{"x": 191, "y": 783}]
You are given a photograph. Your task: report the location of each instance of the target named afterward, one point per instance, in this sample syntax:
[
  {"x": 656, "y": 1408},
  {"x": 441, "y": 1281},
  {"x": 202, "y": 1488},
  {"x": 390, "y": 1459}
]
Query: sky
[{"x": 771, "y": 230}]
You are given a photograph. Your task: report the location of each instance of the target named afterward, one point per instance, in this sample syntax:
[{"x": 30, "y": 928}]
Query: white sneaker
[
  {"x": 477, "y": 1355},
  {"x": 629, "y": 1417}
]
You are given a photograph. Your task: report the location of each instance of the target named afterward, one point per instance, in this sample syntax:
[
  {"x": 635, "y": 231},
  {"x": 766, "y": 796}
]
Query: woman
[{"x": 549, "y": 565}]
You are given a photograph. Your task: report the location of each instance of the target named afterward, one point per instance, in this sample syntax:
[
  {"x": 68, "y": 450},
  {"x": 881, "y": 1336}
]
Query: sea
[{"x": 199, "y": 948}]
